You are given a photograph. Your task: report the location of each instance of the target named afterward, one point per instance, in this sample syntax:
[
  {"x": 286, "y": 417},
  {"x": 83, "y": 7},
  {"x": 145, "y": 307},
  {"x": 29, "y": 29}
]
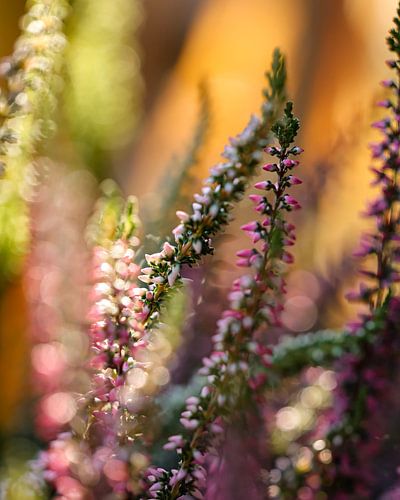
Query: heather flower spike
[
  {"x": 254, "y": 301},
  {"x": 383, "y": 244},
  {"x": 211, "y": 208},
  {"x": 112, "y": 325}
]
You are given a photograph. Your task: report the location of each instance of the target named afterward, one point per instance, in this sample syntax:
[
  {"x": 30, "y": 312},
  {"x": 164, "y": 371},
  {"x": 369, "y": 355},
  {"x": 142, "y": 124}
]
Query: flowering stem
[
  {"x": 254, "y": 300},
  {"x": 211, "y": 208}
]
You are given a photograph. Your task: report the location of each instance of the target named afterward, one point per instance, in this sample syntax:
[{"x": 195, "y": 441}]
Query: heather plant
[
  {"x": 126, "y": 316},
  {"x": 253, "y": 302},
  {"x": 108, "y": 444}
]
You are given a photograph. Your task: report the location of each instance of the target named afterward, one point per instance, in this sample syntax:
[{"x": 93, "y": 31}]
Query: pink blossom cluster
[
  {"x": 254, "y": 302},
  {"x": 125, "y": 315},
  {"x": 114, "y": 342},
  {"x": 210, "y": 212}
]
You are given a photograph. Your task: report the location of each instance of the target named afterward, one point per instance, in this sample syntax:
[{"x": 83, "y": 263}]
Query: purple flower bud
[
  {"x": 192, "y": 400},
  {"x": 178, "y": 231},
  {"x": 189, "y": 424},
  {"x": 288, "y": 163},
  {"x": 272, "y": 150},
  {"x": 155, "y": 487},
  {"x": 270, "y": 167},
  {"x": 294, "y": 180},
  {"x": 287, "y": 258},
  {"x": 292, "y": 202},
  {"x": 168, "y": 249},
  {"x": 388, "y": 83},
  {"x": 384, "y": 104},
  {"x": 256, "y": 198},
  {"x": 266, "y": 222},
  {"x": 244, "y": 253},
  {"x": 381, "y": 124},
  {"x": 182, "y": 216},
  {"x": 255, "y": 236},
  {"x": 261, "y": 185},
  {"x": 250, "y": 226}
]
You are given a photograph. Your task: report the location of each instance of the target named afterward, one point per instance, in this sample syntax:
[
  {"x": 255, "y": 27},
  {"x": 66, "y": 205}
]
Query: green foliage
[
  {"x": 276, "y": 77},
  {"x": 393, "y": 39},
  {"x": 321, "y": 348},
  {"x": 129, "y": 221},
  {"x": 286, "y": 129}
]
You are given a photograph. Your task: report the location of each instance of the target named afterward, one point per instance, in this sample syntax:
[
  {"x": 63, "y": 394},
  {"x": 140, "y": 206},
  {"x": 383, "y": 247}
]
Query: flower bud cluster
[
  {"x": 364, "y": 378},
  {"x": 103, "y": 422},
  {"x": 383, "y": 243},
  {"x": 112, "y": 321},
  {"x": 212, "y": 206},
  {"x": 254, "y": 302}
]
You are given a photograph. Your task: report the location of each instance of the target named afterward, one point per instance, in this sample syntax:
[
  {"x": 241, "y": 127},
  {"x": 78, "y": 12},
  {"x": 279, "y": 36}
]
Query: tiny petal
[
  {"x": 245, "y": 253},
  {"x": 256, "y": 198},
  {"x": 294, "y": 180},
  {"x": 261, "y": 185},
  {"x": 250, "y": 226},
  {"x": 168, "y": 249},
  {"x": 172, "y": 276},
  {"x": 197, "y": 246},
  {"x": 270, "y": 167}
]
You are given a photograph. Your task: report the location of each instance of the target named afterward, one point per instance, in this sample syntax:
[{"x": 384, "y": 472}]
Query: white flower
[
  {"x": 173, "y": 275},
  {"x": 168, "y": 249},
  {"x": 182, "y": 216},
  {"x": 153, "y": 258},
  {"x": 145, "y": 279},
  {"x": 178, "y": 231},
  {"x": 213, "y": 211},
  {"x": 197, "y": 206},
  {"x": 197, "y": 246}
]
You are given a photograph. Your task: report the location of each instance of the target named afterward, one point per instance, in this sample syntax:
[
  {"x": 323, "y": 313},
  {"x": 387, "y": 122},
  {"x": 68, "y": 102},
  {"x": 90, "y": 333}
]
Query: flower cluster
[
  {"x": 101, "y": 418},
  {"x": 254, "y": 302},
  {"x": 124, "y": 313},
  {"x": 33, "y": 77},
  {"x": 211, "y": 207},
  {"x": 210, "y": 213},
  {"x": 384, "y": 242}
]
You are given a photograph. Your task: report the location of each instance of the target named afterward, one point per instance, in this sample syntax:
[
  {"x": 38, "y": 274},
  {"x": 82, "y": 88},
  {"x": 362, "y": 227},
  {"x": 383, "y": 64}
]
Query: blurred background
[{"x": 149, "y": 86}]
